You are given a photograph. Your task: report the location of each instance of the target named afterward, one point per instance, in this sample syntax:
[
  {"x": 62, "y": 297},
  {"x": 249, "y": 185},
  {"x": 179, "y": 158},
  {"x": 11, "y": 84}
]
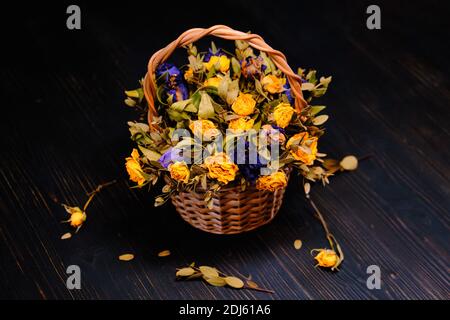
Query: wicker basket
[{"x": 233, "y": 210}]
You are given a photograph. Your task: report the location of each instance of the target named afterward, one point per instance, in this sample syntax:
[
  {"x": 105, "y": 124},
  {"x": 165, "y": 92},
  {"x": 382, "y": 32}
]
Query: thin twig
[
  {"x": 330, "y": 237},
  {"x": 97, "y": 190},
  {"x": 367, "y": 156},
  {"x": 258, "y": 289},
  {"x": 319, "y": 214}
]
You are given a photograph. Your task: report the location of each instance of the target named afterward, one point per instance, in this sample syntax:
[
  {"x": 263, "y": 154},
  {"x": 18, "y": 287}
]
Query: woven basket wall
[{"x": 233, "y": 211}]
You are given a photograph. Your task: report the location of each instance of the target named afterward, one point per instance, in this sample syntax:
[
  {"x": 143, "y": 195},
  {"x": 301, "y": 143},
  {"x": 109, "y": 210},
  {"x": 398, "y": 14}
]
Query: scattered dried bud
[{"x": 327, "y": 258}]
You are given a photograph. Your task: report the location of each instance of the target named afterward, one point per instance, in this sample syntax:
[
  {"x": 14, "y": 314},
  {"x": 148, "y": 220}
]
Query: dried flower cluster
[{"x": 209, "y": 110}]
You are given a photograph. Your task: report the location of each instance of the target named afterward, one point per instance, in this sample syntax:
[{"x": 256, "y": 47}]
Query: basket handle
[{"x": 221, "y": 31}]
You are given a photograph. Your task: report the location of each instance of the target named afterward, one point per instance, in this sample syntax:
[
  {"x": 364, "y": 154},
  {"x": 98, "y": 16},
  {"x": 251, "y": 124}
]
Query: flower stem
[
  {"x": 97, "y": 190},
  {"x": 258, "y": 289},
  {"x": 330, "y": 237}
]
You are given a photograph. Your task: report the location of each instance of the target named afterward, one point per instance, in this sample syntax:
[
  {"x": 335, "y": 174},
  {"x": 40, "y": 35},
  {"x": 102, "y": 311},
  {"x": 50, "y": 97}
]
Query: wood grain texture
[{"x": 63, "y": 131}]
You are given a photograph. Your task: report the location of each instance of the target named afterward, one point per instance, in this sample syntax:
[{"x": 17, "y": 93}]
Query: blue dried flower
[
  {"x": 168, "y": 71},
  {"x": 250, "y": 171},
  {"x": 288, "y": 92},
  {"x": 170, "y": 156},
  {"x": 173, "y": 82},
  {"x": 210, "y": 54},
  {"x": 179, "y": 93}
]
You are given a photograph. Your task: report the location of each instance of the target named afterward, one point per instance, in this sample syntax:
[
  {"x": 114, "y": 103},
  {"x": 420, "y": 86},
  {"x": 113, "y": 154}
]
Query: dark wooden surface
[{"x": 63, "y": 131}]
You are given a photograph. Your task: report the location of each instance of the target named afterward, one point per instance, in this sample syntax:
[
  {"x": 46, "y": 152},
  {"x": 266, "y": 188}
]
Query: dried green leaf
[
  {"x": 132, "y": 93},
  {"x": 209, "y": 272},
  {"x": 318, "y": 92},
  {"x": 236, "y": 66},
  {"x": 259, "y": 89},
  {"x": 205, "y": 108},
  {"x": 234, "y": 282},
  {"x": 319, "y": 120},
  {"x": 159, "y": 201},
  {"x": 150, "y": 154},
  {"x": 130, "y": 102},
  {"x": 315, "y": 110},
  {"x": 330, "y": 163},
  {"x": 252, "y": 284},
  {"x": 325, "y": 81},
  {"x": 164, "y": 253},
  {"x": 349, "y": 163},
  {"x": 307, "y": 86},
  {"x": 65, "y": 236},
  {"x": 71, "y": 210},
  {"x": 311, "y": 76},
  {"x": 195, "y": 276},
  {"x": 185, "y": 272},
  {"x": 241, "y": 45},
  {"x": 215, "y": 281},
  {"x": 180, "y": 105},
  {"x": 233, "y": 91},
  {"x": 126, "y": 257},
  {"x": 213, "y": 47},
  {"x": 222, "y": 89},
  {"x": 307, "y": 188}
]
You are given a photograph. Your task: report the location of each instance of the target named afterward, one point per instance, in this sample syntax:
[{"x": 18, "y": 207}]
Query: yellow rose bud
[
  {"x": 327, "y": 258},
  {"x": 134, "y": 168},
  {"x": 179, "y": 171},
  {"x": 241, "y": 124},
  {"x": 77, "y": 219},
  {"x": 223, "y": 63},
  {"x": 212, "y": 82},
  {"x": 204, "y": 129},
  {"x": 77, "y": 216},
  {"x": 221, "y": 167},
  {"x": 244, "y": 105},
  {"x": 282, "y": 114},
  {"x": 189, "y": 74},
  {"x": 273, "y": 84},
  {"x": 275, "y": 181},
  {"x": 303, "y": 147}
]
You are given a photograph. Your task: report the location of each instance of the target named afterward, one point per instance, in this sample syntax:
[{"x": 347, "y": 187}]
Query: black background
[{"x": 63, "y": 131}]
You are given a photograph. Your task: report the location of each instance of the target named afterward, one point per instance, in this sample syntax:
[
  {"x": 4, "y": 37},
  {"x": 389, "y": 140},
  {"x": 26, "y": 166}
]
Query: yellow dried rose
[
  {"x": 241, "y": 124},
  {"x": 223, "y": 62},
  {"x": 273, "y": 84},
  {"x": 221, "y": 167},
  {"x": 305, "y": 147},
  {"x": 327, "y": 258},
  {"x": 179, "y": 171},
  {"x": 134, "y": 168},
  {"x": 77, "y": 219},
  {"x": 212, "y": 82},
  {"x": 282, "y": 114},
  {"x": 189, "y": 74},
  {"x": 204, "y": 129},
  {"x": 272, "y": 182},
  {"x": 244, "y": 105},
  {"x": 77, "y": 216}
]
